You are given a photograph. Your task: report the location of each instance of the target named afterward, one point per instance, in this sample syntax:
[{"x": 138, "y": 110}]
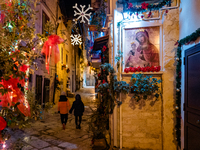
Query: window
[{"x": 45, "y": 19}]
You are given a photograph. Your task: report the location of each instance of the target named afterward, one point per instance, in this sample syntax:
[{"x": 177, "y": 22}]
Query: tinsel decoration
[{"x": 185, "y": 41}]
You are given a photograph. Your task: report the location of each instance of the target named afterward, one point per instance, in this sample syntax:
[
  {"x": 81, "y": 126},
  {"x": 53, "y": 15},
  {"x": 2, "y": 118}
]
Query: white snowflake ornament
[
  {"x": 76, "y": 39},
  {"x": 82, "y": 14}
]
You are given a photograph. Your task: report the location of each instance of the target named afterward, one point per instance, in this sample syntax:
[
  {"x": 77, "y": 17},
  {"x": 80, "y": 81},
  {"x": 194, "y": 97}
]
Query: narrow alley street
[{"x": 48, "y": 133}]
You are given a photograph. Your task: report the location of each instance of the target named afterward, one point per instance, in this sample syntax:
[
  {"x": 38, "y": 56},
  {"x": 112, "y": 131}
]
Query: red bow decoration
[
  {"x": 24, "y": 107},
  {"x": 51, "y": 48},
  {"x": 144, "y": 5},
  {"x": 24, "y": 68},
  {"x": 3, "y": 123},
  {"x": 14, "y": 95}
]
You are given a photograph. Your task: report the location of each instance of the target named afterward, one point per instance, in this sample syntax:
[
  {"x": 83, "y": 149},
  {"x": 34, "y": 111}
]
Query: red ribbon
[
  {"x": 51, "y": 48},
  {"x": 3, "y": 124},
  {"x": 14, "y": 95}
]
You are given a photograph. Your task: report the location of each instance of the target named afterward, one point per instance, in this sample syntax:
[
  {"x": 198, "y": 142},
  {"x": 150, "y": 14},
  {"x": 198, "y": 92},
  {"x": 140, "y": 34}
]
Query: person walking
[
  {"x": 63, "y": 108},
  {"x": 78, "y": 108}
]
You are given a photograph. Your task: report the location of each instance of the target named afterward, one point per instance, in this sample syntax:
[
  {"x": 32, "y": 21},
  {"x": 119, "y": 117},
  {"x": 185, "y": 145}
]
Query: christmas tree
[{"x": 18, "y": 43}]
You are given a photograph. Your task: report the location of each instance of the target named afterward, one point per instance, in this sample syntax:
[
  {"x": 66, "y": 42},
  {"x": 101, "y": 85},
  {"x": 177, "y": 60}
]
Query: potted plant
[{"x": 109, "y": 90}]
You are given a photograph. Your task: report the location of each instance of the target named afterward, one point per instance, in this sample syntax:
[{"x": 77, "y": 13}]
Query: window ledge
[{"x": 145, "y": 73}]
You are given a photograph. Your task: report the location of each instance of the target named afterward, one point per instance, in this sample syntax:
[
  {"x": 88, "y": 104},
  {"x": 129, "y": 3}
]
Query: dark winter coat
[{"x": 78, "y": 108}]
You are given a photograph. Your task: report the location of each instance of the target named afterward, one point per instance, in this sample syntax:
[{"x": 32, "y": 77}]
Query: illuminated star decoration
[
  {"x": 76, "y": 39},
  {"x": 82, "y": 14}
]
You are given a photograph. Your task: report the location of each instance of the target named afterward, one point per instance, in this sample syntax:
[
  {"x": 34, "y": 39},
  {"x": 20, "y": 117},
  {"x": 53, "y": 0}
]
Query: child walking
[
  {"x": 78, "y": 108},
  {"x": 63, "y": 108}
]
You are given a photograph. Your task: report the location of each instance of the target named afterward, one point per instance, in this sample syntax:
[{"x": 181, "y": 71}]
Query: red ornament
[
  {"x": 3, "y": 123},
  {"x": 130, "y": 5},
  {"x": 24, "y": 68},
  {"x": 144, "y": 5},
  {"x": 142, "y": 17},
  {"x": 2, "y": 18},
  {"x": 139, "y": 69},
  {"x": 176, "y": 43},
  {"x": 166, "y": 11},
  {"x": 104, "y": 81},
  {"x": 179, "y": 74},
  {"x": 149, "y": 15}
]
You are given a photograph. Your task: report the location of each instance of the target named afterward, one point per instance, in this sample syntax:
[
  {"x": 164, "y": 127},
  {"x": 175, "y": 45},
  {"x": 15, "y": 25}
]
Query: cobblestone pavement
[{"x": 48, "y": 134}]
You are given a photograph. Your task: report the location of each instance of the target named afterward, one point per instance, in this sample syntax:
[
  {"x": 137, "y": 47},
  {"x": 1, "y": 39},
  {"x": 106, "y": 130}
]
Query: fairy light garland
[{"x": 185, "y": 41}]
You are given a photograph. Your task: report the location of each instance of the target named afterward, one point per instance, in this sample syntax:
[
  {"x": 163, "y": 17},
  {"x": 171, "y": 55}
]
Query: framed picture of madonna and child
[{"x": 141, "y": 47}]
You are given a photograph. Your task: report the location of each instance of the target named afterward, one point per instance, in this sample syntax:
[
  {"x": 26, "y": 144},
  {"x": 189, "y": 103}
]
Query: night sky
[{"x": 66, "y": 6}]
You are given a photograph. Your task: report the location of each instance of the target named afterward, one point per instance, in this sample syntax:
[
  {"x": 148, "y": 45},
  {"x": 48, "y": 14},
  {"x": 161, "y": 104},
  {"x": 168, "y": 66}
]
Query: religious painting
[{"x": 142, "y": 47}]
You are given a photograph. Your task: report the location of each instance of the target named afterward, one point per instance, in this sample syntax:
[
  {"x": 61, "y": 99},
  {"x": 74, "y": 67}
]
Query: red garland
[{"x": 143, "y": 69}]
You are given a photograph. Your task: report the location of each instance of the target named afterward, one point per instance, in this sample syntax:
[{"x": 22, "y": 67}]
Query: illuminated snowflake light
[
  {"x": 76, "y": 39},
  {"x": 82, "y": 14}
]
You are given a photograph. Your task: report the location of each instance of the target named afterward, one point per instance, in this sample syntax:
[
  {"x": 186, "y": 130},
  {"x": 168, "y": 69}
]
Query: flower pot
[{"x": 92, "y": 27}]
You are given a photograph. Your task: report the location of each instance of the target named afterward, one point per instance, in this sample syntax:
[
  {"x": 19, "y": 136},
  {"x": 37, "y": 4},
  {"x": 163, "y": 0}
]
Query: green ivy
[{"x": 144, "y": 87}]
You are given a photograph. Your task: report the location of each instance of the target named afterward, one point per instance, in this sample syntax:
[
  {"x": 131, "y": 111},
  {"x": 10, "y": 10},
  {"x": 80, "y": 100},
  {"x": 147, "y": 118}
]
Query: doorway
[
  {"x": 46, "y": 90},
  {"x": 38, "y": 90},
  {"x": 192, "y": 99}
]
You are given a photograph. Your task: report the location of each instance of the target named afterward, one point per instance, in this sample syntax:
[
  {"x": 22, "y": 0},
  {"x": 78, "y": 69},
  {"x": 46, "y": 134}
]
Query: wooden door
[
  {"x": 38, "y": 89},
  {"x": 192, "y": 98},
  {"x": 46, "y": 90}
]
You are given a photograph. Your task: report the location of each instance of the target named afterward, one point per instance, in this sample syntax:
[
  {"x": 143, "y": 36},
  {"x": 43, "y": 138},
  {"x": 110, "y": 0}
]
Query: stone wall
[
  {"x": 170, "y": 36},
  {"x": 147, "y": 126},
  {"x": 141, "y": 122}
]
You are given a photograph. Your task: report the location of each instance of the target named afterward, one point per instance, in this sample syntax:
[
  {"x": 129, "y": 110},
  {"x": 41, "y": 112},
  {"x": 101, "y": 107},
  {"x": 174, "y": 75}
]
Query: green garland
[
  {"x": 185, "y": 41},
  {"x": 144, "y": 6}
]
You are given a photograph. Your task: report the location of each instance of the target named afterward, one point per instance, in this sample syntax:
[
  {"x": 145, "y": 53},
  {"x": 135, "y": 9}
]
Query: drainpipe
[
  {"x": 115, "y": 114},
  {"x": 120, "y": 107}
]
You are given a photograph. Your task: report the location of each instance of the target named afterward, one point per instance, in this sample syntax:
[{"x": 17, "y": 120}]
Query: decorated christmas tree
[{"x": 18, "y": 46}]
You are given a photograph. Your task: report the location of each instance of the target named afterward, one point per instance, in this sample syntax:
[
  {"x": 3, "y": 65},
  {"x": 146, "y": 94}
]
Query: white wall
[{"x": 188, "y": 23}]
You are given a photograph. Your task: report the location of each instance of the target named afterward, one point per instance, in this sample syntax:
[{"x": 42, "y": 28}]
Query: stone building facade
[
  {"x": 145, "y": 125},
  {"x": 42, "y": 82}
]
